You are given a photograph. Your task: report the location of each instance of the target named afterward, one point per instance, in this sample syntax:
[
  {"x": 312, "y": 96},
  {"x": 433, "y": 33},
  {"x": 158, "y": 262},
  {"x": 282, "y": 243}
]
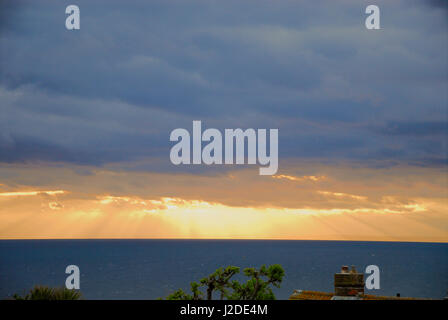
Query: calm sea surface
[{"x": 148, "y": 269}]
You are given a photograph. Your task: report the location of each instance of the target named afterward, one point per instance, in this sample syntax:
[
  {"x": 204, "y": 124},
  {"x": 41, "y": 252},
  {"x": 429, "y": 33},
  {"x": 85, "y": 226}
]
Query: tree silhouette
[{"x": 258, "y": 287}]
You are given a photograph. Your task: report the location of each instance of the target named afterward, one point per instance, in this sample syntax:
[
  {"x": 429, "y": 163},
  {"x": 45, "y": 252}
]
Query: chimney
[{"x": 348, "y": 283}]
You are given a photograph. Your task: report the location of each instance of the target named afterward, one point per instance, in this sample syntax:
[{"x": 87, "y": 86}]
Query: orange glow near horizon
[
  {"x": 30, "y": 193},
  {"x": 293, "y": 178},
  {"x": 341, "y": 204}
]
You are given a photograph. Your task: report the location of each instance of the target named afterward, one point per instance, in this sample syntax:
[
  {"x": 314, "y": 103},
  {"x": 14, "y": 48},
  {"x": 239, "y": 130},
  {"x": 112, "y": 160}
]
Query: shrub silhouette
[{"x": 47, "y": 293}]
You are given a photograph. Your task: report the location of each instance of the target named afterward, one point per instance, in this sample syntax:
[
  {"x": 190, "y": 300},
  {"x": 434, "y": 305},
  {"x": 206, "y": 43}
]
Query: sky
[{"x": 86, "y": 115}]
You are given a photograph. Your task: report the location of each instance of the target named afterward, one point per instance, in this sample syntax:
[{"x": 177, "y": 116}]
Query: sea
[{"x": 152, "y": 269}]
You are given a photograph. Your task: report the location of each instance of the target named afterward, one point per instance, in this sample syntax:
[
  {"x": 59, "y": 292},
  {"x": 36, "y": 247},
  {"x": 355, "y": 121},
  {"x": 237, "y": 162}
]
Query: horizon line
[{"x": 227, "y": 239}]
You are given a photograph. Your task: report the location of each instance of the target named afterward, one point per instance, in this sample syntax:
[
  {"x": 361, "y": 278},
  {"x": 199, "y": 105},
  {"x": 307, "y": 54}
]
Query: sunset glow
[
  {"x": 224, "y": 119},
  {"x": 154, "y": 205}
]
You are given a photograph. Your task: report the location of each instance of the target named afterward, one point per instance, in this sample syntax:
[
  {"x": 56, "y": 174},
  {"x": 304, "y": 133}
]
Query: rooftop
[{"x": 319, "y": 295}]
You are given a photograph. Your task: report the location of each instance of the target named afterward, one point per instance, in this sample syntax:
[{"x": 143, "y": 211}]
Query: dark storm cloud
[
  {"x": 430, "y": 128},
  {"x": 25, "y": 150},
  {"x": 114, "y": 90},
  {"x": 439, "y": 4}
]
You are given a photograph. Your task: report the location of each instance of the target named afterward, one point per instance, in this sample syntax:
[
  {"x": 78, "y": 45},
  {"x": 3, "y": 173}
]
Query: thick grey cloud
[
  {"x": 430, "y": 128},
  {"x": 114, "y": 90}
]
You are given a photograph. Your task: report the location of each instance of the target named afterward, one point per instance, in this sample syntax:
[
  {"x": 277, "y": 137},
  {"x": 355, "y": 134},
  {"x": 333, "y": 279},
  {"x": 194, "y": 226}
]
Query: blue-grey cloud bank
[{"x": 114, "y": 90}]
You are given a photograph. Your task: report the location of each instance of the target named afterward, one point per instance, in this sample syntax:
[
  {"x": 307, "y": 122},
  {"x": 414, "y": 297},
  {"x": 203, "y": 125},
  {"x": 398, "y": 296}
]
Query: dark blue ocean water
[{"x": 148, "y": 269}]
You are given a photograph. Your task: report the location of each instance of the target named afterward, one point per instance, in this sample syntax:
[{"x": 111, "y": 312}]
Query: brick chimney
[{"x": 348, "y": 283}]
